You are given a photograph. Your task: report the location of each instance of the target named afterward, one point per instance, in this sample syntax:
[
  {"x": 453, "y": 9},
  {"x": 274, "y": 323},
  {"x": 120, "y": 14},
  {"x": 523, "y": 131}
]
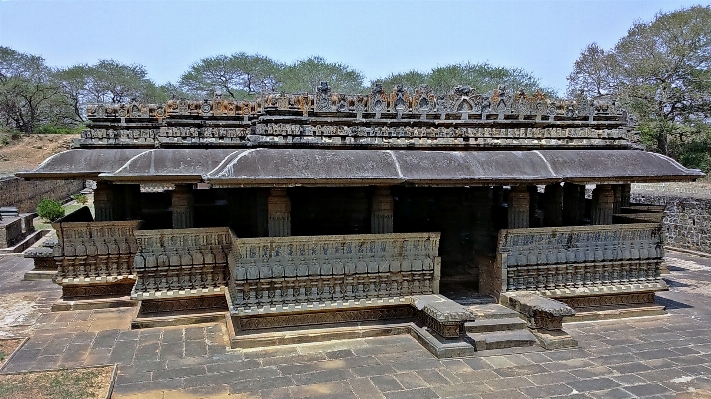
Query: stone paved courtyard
[{"x": 661, "y": 356}]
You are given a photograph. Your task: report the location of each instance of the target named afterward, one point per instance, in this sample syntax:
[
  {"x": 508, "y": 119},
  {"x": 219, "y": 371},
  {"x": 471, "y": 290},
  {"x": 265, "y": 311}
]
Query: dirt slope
[{"x": 29, "y": 151}]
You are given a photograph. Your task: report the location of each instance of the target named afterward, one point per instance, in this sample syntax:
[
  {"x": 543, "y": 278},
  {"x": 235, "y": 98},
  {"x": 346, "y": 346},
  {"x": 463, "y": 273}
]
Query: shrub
[
  {"x": 80, "y": 198},
  {"x": 53, "y": 129},
  {"x": 50, "y": 210}
]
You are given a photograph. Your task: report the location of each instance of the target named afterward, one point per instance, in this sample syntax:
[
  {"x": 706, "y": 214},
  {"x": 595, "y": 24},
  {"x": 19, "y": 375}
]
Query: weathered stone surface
[
  {"x": 284, "y": 272},
  {"x": 540, "y": 312},
  {"x": 687, "y": 219},
  {"x": 94, "y": 253},
  {"x": 579, "y": 256},
  {"x": 25, "y": 195},
  {"x": 442, "y": 315},
  {"x": 181, "y": 263}
]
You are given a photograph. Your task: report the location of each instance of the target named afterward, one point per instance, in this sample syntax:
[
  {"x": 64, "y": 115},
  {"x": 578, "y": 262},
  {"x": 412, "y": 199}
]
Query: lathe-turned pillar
[
  {"x": 519, "y": 199},
  {"x": 617, "y": 198},
  {"x": 573, "y": 204},
  {"x": 626, "y": 191},
  {"x": 103, "y": 208},
  {"x": 279, "y": 213},
  {"x": 603, "y": 202},
  {"x": 381, "y": 214},
  {"x": 553, "y": 206},
  {"x": 183, "y": 207}
]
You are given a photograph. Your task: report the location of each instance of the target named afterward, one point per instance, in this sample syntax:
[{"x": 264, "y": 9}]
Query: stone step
[
  {"x": 492, "y": 311},
  {"x": 491, "y": 325},
  {"x": 502, "y": 339}
]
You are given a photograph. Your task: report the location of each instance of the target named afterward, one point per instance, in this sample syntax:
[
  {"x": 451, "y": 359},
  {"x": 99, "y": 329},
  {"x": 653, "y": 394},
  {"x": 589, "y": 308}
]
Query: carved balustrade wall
[
  {"x": 286, "y": 271},
  {"x": 95, "y": 258},
  {"x": 568, "y": 261},
  {"x": 180, "y": 263}
]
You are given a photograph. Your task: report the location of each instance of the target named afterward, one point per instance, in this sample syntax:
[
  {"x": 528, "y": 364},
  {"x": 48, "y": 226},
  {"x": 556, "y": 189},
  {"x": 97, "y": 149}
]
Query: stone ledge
[
  {"x": 604, "y": 290},
  {"x": 442, "y": 315},
  {"x": 317, "y": 306},
  {"x": 174, "y": 294},
  {"x": 540, "y": 312},
  {"x": 39, "y": 252},
  {"x": 96, "y": 280}
]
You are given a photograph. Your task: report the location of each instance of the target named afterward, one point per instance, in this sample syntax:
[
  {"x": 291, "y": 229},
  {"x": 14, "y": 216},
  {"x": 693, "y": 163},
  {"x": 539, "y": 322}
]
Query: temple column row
[{"x": 565, "y": 205}]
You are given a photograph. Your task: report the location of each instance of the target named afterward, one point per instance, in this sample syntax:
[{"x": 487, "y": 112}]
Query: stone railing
[
  {"x": 568, "y": 261},
  {"x": 319, "y": 272},
  {"x": 95, "y": 258},
  {"x": 181, "y": 263}
]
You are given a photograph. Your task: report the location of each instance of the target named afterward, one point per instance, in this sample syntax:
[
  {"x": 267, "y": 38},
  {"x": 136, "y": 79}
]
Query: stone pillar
[
  {"x": 553, "y": 206},
  {"x": 279, "y": 213},
  {"x": 626, "y": 191},
  {"x": 617, "y": 198},
  {"x": 602, "y": 204},
  {"x": 103, "y": 208},
  {"x": 381, "y": 211},
  {"x": 532, "y": 206},
  {"x": 183, "y": 207},
  {"x": 573, "y": 204},
  {"x": 132, "y": 201},
  {"x": 498, "y": 195},
  {"x": 518, "y": 208}
]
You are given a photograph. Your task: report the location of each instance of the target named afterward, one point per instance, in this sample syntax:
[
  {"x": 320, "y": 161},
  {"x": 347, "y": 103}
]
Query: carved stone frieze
[
  {"x": 323, "y": 318},
  {"x": 576, "y": 257},
  {"x": 582, "y": 302},
  {"x": 95, "y": 253},
  {"x": 202, "y": 303},
  {"x": 181, "y": 263},
  {"x": 282, "y": 271}
]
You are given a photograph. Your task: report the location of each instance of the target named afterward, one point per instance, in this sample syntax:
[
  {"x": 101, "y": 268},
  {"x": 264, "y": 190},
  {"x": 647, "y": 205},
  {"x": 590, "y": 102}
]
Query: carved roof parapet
[{"x": 461, "y": 102}]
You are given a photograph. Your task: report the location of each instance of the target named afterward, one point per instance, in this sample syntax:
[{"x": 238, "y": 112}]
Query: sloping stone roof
[{"x": 287, "y": 167}]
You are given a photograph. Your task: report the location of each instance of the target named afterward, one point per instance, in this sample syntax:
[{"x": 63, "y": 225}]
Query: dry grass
[
  {"x": 29, "y": 151},
  {"x": 88, "y": 383},
  {"x": 7, "y": 346}
]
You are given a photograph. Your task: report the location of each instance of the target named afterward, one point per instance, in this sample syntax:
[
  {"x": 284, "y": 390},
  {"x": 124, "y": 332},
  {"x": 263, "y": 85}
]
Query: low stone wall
[
  {"x": 291, "y": 272},
  {"x": 181, "y": 263},
  {"x": 687, "y": 218},
  {"x": 94, "y": 259},
  {"x": 579, "y": 261},
  {"x": 26, "y": 194}
]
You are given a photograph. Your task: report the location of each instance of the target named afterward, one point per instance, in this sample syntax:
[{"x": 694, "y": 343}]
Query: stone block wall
[
  {"x": 687, "y": 219},
  {"x": 26, "y": 194},
  {"x": 9, "y": 232}
]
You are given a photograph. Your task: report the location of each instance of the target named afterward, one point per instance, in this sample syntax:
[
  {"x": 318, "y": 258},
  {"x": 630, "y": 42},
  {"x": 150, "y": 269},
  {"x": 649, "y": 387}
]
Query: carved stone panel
[
  {"x": 288, "y": 271},
  {"x": 181, "y": 263}
]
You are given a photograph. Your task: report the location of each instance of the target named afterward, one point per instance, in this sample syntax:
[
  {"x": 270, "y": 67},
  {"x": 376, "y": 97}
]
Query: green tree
[
  {"x": 239, "y": 76},
  {"x": 107, "y": 81},
  {"x": 305, "y": 75},
  {"x": 29, "y": 95},
  {"x": 482, "y": 77},
  {"x": 660, "y": 71}
]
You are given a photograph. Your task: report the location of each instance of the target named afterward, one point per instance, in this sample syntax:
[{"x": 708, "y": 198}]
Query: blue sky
[{"x": 375, "y": 37}]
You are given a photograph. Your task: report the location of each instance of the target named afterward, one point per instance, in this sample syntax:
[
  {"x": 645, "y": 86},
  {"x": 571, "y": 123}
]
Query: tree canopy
[
  {"x": 660, "y": 72},
  {"x": 482, "y": 77}
]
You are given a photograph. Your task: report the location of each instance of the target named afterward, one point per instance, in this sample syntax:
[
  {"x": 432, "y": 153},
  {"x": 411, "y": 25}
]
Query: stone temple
[{"x": 386, "y": 211}]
